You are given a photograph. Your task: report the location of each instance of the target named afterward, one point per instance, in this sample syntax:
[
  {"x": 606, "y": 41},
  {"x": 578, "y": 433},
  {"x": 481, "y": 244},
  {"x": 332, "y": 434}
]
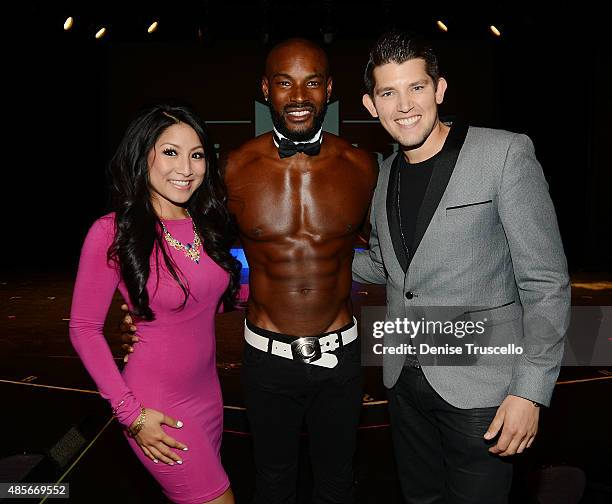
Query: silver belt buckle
[{"x": 306, "y": 349}]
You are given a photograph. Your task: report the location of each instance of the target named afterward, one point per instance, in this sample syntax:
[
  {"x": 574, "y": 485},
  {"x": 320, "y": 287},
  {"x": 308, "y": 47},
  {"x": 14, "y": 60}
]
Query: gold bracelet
[{"x": 139, "y": 423}]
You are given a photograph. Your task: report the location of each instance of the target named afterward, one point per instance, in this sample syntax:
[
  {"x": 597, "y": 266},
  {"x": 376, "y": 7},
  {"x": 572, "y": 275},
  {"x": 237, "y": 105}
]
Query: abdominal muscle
[{"x": 300, "y": 298}]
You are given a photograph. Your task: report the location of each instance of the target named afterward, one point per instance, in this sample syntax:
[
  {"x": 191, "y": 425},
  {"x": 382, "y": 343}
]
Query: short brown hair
[{"x": 399, "y": 47}]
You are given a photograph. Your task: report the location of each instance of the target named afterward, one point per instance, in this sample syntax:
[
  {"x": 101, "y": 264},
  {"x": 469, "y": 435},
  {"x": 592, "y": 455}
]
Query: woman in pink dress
[{"x": 166, "y": 248}]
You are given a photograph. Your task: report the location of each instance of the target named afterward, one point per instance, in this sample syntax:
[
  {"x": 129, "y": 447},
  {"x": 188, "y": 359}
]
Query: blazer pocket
[
  {"x": 458, "y": 209},
  {"x": 491, "y": 308},
  {"x": 496, "y": 314}
]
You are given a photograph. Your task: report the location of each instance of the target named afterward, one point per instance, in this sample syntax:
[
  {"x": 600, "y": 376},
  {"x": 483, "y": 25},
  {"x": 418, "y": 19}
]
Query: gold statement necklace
[{"x": 191, "y": 250}]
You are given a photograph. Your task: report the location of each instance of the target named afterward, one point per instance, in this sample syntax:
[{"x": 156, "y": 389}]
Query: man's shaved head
[
  {"x": 296, "y": 47},
  {"x": 297, "y": 86}
]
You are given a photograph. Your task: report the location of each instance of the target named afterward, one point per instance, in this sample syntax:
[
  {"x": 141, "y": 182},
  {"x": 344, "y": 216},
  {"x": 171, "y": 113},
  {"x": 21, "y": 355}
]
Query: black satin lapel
[
  {"x": 393, "y": 213},
  {"x": 441, "y": 174}
]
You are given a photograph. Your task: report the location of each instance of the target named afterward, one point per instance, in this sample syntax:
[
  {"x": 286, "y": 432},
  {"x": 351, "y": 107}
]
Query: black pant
[
  {"x": 441, "y": 455},
  {"x": 280, "y": 396}
]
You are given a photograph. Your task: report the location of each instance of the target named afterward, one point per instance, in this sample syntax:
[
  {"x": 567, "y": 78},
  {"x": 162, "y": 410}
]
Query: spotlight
[
  {"x": 68, "y": 23},
  {"x": 100, "y": 33},
  {"x": 265, "y": 29},
  {"x": 153, "y": 27},
  {"x": 495, "y": 31},
  {"x": 328, "y": 28},
  {"x": 328, "y": 35},
  {"x": 442, "y": 26}
]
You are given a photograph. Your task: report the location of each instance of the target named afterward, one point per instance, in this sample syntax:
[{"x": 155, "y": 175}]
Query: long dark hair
[{"x": 138, "y": 228}]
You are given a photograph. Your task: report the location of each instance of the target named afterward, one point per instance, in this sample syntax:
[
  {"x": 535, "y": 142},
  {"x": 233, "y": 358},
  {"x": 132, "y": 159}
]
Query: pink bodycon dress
[{"x": 173, "y": 367}]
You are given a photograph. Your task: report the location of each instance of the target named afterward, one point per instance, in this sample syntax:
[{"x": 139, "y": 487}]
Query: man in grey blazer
[{"x": 461, "y": 217}]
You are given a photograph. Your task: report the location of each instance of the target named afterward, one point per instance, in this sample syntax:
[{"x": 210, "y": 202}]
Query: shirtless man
[{"x": 298, "y": 207}]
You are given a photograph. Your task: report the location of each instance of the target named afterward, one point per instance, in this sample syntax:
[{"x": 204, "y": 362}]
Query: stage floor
[{"x": 50, "y": 407}]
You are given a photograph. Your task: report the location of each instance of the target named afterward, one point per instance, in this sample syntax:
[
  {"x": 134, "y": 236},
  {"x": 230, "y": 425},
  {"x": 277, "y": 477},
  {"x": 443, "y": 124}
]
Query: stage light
[
  {"x": 100, "y": 33},
  {"x": 153, "y": 27},
  {"x": 68, "y": 23},
  {"x": 265, "y": 25},
  {"x": 495, "y": 31},
  {"x": 328, "y": 29},
  {"x": 442, "y": 26},
  {"x": 328, "y": 36}
]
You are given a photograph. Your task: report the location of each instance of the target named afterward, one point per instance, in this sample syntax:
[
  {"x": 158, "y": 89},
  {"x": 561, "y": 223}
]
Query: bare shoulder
[
  {"x": 246, "y": 154},
  {"x": 362, "y": 160}
]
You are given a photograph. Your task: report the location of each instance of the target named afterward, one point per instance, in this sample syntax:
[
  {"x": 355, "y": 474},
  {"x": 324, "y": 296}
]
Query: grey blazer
[{"x": 486, "y": 239}]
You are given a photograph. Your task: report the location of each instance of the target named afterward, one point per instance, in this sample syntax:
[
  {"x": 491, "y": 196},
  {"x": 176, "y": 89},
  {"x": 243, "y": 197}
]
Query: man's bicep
[
  {"x": 540, "y": 270},
  {"x": 368, "y": 264},
  {"x": 371, "y": 171},
  {"x": 528, "y": 215}
]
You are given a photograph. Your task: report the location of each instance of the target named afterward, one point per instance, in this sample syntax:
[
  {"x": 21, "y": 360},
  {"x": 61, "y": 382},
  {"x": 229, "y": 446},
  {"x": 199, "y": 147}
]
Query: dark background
[{"x": 69, "y": 96}]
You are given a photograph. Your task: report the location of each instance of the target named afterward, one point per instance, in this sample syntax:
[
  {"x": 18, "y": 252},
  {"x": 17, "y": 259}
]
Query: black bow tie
[{"x": 287, "y": 148}]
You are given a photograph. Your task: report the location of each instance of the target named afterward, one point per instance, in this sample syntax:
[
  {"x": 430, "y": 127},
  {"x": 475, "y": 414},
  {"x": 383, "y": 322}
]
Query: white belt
[{"x": 311, "y": 349}]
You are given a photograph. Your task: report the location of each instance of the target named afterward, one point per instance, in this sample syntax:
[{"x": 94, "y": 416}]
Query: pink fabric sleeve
[{"x": 94, "y": 288}]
